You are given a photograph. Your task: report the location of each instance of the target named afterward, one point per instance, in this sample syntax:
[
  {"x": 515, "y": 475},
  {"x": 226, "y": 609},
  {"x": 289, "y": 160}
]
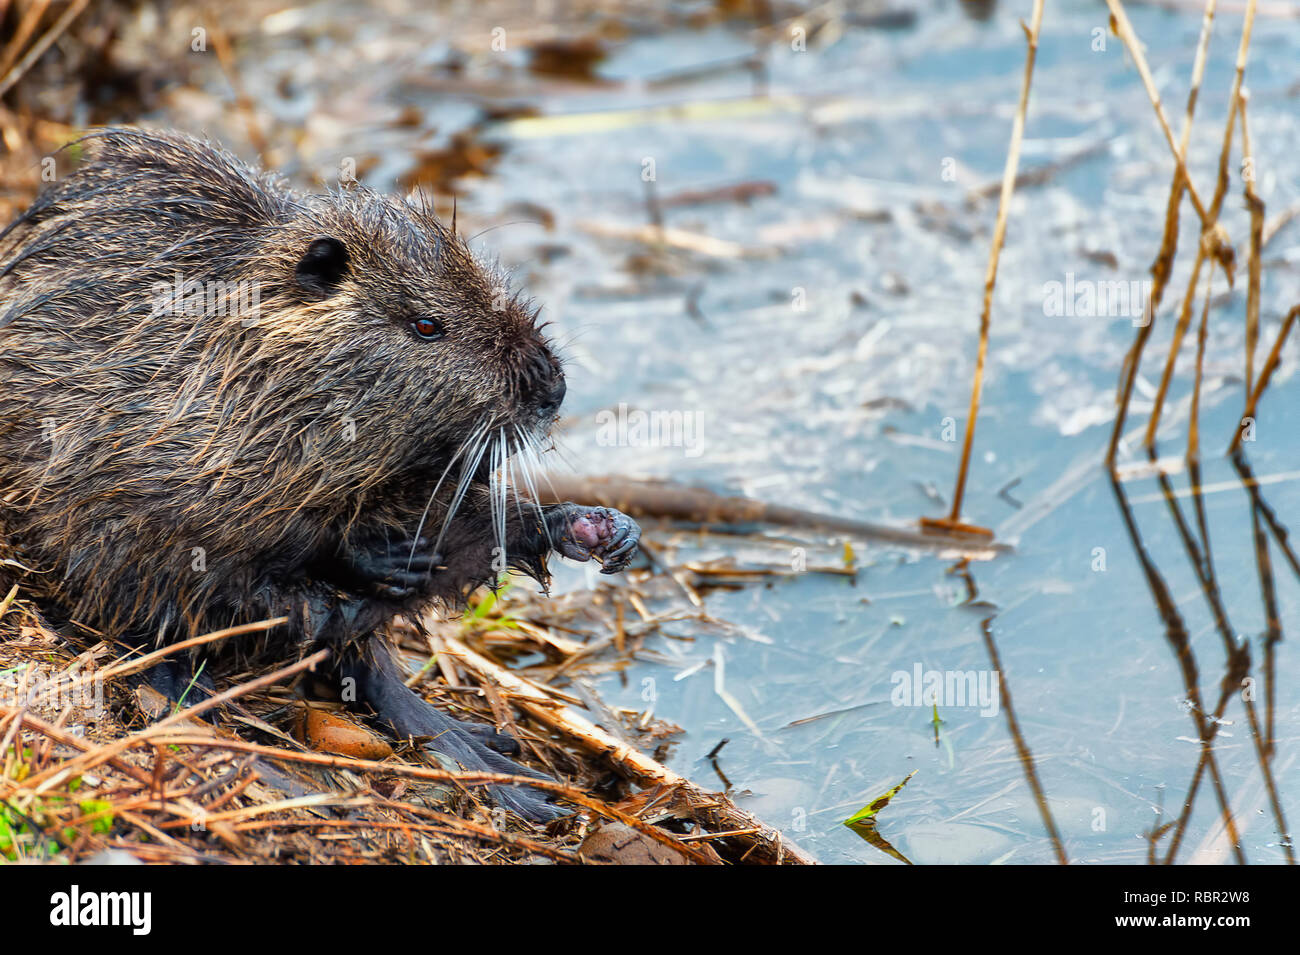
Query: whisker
[
  {"x": 462, "y": 486},
  {"x": 563, "y": 453},
  {"x": 535, "y": 452},
  {"x": 527, "y": 458},
  {"x": 519, "y": 507},
  {"x": 498, "y": 486},
  {"x": 473, "y": 437},
  {"x": 525, "y": 462}
]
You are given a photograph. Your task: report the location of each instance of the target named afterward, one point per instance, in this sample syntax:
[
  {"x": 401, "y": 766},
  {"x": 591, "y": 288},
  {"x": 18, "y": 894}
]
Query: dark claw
[
  {"x": 500, "y": 742},
  {"x": 530, "y": 804},
  {"x": 618, "y": 552},
  {"x": 618, "y": 559}
]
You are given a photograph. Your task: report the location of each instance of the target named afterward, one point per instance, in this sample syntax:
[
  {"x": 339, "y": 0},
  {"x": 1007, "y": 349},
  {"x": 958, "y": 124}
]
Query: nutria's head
[
  {"x": 349, "y": 310},
  {"x": 436, "y": 352}
]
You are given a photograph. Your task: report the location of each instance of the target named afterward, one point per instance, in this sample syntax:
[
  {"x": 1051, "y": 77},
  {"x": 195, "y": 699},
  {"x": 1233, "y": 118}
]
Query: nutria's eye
[{"x": 427, "y": 328}]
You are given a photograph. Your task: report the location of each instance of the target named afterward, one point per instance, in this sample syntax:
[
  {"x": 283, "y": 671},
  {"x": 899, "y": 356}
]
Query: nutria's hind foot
[
  {"x": 473, "y": 746},
  {"x": 581, "y": 533}
]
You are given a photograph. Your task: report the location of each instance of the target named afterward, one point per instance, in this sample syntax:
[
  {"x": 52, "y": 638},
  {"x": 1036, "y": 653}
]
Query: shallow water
[{"x": 828, "y": 365}]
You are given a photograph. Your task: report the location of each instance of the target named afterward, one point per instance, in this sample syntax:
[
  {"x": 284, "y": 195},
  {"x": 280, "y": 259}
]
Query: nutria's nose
[{"x": 552, "y": 398}]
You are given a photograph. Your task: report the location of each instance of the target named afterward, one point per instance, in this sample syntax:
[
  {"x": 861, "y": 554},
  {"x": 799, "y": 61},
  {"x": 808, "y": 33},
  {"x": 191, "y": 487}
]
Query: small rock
[{"x": 623, "y": 845}]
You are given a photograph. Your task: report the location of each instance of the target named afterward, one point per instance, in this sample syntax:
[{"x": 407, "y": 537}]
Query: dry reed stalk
[
  {"x": 1254, "y": 260},
  {"x": 953, "y": 521},
  {"x": 1266, "y": 373},
  {"x": 1214, "y": 244},
  {"x": 27, "y": 24},
  {"x": 1120, "y": 23},
  {"x": 1162, "y": 267},
  {"x": 149, "y": 659}
]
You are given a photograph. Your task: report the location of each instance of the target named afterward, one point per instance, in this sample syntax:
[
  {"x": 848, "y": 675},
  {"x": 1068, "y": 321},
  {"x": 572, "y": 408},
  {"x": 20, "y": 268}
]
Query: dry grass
[{"x": 79, "y": 776}]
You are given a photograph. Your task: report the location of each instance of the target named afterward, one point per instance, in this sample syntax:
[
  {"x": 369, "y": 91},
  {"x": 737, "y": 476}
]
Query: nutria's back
[{"x": 208, "y": 382}]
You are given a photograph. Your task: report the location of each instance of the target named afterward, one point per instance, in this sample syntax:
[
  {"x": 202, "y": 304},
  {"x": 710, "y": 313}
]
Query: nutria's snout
[
  {"x": 541, "y": 387},
  {"x": 548, "y": 406}
]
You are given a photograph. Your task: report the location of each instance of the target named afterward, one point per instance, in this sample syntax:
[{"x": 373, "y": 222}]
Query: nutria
[{"x": 223, "y": 401}]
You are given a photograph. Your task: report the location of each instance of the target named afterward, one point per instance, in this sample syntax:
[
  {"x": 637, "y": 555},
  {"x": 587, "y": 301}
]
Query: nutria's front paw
[
  {"x": 394, "y": 570},
  {"x": 610, "y": 536}
]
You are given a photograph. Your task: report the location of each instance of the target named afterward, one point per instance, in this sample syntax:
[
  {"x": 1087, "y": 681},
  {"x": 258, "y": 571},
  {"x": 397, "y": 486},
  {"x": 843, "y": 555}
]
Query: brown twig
[
  {"x": 27, "y": 24},
  {"x": 1120, "y": 21},
  {"x": 1194, "y": 418},
  {"x": 1214, "y": 244},
  {"x": 663, "y": 499},
  {"x": 1162, "y": 268}
]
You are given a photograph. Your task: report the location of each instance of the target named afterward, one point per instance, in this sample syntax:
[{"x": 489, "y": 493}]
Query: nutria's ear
[{"x": 322, "y": 266}]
